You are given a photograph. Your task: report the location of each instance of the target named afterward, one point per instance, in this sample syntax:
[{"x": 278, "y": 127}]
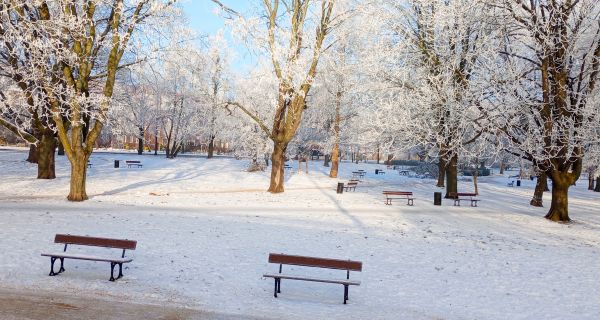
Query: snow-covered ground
[{"x": 205, "y": 228}]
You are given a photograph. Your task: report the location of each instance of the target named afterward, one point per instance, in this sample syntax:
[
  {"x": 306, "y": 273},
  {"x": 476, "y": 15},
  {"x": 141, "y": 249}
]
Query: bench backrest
[
  {"x": 352, "y": 183},
  {"x": 398, "y": 193},
  {"x": 461, "y": 194},
  {"x": 315, "y": 262},
  {"x": 95, "y": 242},
  {"x": 132, "y": 161}
]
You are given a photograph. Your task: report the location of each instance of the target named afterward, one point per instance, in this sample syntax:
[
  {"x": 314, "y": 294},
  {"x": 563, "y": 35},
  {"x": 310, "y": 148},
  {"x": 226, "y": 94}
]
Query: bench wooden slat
[
  {"x": 87, "y": 257},
  {"x": 96, "y": 242},
  {"x": 398, "y": 193},
  {"x": 315, "y": 262},
  {"x": 462, "y": 194},
  {"x": 292, "y": 277}
]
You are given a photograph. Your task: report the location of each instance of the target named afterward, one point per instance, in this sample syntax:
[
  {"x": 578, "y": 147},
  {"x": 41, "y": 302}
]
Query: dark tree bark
[
  {"x": 277, "y": 170},
  {"x": 590, "y": 181},
  {"x": 211, "y": 147},
  {"x": 441, "y": 172},
  {"x": 540, "y": 186},
  {"x": 77, "y": 191},
  {"x": 156, "y": 144},
  {"x": 141, "y": 141},
  {"x": 46, "y": 151},
  {"x": 502, "y": 166},
  {"x": 597, "y": 188},
  {"x": 32, "y": 157},
  {"x": 559, "y": 208},
  {"x": 452, "y": 176},
  {"x": 326, "y": 160}
]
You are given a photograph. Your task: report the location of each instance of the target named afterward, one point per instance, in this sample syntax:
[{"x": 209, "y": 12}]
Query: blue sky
[{"x": 201, "y": 17}]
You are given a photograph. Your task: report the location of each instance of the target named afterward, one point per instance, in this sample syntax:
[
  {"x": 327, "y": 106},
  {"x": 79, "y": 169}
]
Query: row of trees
[{"x": 454, "y": 81}]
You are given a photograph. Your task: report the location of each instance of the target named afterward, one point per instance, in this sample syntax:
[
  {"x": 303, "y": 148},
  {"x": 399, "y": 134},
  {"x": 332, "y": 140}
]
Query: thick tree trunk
[
  {"x": 277, "y": 170},
  {"x": 597, "y": 188},
  {"x": 335, "y": 161},
  {"x": 590, "y": 181},
  {"x": 211, "y": 147},
  {"x": 441, "y": 172},
  {"x": 32, "y": 157},
  {"x": 156, "y": 144},
  {"x": 78, "y": 177},
  {"x": 141, "y": 141},
  {"x": 559, "y": 209},
  {"x": 501, "y": 166},
  {"x": 326, "y": 160},
  {"x": 540, "y": 186},
  {"x": 175, "y": 150},
  {"x": 452, "y": 176},
  {"x": 378, "y": 154},
  {"x": 46, "y": 150}
]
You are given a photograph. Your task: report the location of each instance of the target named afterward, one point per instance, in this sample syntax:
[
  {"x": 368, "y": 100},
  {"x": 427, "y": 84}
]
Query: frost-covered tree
[
  {"x": 547, "y": 82},
  {"x": 133, "y": 111},
  {"x": 255, "y": 92},
  {"x": 426, "y": 60},
  {"x": 75, "y": 49},
  {"x": 217, "y": 86},
  {"x": 292, "y": 36}
]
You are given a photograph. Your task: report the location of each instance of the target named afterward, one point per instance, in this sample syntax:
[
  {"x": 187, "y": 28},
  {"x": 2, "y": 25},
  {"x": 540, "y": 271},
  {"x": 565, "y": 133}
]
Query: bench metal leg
[
  {"x": 345, "y": 293},
  {"x": 52, "y": 261},
  {"x": 277, "y": 286},
  {"x": 120, "y": 271},
  {"x": 112, "y": 270},
  {"x": 52, "y": 273},
  {"x": 388, "y": 202}
]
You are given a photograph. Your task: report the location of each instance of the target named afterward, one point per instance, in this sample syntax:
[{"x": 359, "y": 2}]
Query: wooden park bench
[
  {"x": 389, "y": 195},
  {"x": 358, "y": 174},
  {"x": 287, "y": 166},
  {"x": 133, "y": 163},
  {"x": 89, "y": 164},
  {"x": 511, "y": 184},
  {"x": 403, "y": 172},
  {"x": 379, "y": 171},
  {"x": 93, "y": 242},
  {"x": 350, "y": 185},
  {"x": 465, "y": 196},
  {"x": 314, "y": 262}
]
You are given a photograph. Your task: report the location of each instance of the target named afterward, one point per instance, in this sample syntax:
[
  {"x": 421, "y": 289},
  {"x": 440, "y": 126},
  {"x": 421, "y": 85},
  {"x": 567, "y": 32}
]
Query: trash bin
[
  {"x": 437, "y": 198},
  {"x": 340, "y": 187},
  {"x": 376, "y": 171},
  {"x": 116, "y": 163},
  {"x": 518, "y": 183}
]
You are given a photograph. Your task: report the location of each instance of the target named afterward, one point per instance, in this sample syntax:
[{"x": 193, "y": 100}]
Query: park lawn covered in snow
[{"x": 205, "y": 227}]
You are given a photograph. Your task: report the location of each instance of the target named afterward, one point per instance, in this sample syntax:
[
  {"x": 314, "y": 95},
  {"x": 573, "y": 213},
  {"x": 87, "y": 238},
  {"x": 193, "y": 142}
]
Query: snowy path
[{"x": 203, "y": 240}]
